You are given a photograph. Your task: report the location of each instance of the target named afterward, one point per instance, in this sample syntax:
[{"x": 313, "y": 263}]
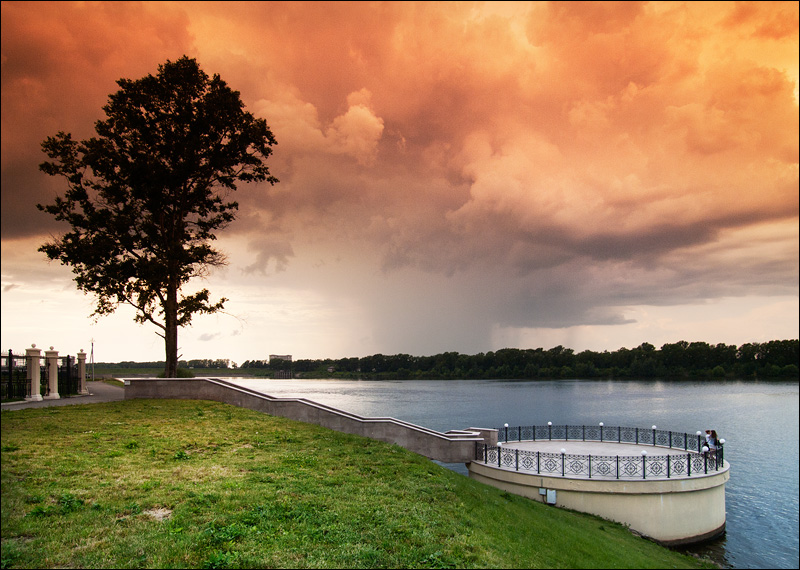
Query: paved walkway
[
  {"x": 98, "y": 392},
  {"x": 578, "y": 447}
]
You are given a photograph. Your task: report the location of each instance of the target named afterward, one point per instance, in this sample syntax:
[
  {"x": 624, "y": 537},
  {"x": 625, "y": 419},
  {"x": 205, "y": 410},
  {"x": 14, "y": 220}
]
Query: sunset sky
[{"x": 454, "y": 176}]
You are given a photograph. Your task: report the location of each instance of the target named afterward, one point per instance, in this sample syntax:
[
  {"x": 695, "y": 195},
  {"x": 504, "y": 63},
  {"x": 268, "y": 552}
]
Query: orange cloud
[{"x": 581, "y": 151}]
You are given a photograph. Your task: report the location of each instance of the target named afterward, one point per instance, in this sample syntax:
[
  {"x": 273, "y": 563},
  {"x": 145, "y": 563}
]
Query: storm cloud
[{"x": 451, "y": 173}]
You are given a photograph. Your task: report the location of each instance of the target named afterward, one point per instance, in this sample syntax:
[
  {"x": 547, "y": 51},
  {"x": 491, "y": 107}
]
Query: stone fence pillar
[
  {"x": 52, "y": 374},
  {"x": 33, "y": 368},
  {"x": 82, "y": 372}
]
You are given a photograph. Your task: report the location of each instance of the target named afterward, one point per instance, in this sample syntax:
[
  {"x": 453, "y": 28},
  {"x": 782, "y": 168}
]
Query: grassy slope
[{"x": 84, "y": 485}]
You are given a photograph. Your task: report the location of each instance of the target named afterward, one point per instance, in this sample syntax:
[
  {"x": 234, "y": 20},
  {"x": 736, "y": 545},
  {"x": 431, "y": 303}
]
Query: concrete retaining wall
[
  {"x": 670, "y": 511},
  {"x": 457, "y": 446}
]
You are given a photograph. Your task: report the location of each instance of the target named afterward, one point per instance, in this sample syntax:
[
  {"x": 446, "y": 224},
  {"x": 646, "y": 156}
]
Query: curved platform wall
[{"x": 669, "y": 511}]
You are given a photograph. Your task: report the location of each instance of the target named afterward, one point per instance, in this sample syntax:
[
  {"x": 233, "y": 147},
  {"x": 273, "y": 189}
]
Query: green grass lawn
[{"x": 198, "y": 484}]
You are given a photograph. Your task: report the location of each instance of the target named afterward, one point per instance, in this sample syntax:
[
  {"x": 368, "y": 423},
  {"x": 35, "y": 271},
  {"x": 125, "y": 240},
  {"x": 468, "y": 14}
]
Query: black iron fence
[
  {"x": 640, "y": 436},
  {"x": 14, "y": 383},
  {"x": 13, "y": 377},
  {"x": 68, "y": 379},
  {"x": 697, "y": 460}
]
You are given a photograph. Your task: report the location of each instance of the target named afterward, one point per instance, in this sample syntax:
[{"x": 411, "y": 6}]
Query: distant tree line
[
  {"x": 274, "y": 364},
  {"x": 773, "y": 359},
  {"x": 219, "y": 363}
]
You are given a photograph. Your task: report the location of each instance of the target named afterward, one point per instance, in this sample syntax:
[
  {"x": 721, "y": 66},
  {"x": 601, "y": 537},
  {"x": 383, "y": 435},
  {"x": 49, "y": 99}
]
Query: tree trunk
[{"x": 171, "y": 332}]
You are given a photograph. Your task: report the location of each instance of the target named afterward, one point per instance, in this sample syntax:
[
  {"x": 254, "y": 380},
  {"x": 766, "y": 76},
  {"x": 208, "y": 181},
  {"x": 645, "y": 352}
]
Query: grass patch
[{"x": 196, "y": 484}]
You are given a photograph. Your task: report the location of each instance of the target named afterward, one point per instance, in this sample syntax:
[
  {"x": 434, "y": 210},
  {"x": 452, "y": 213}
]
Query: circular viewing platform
[{"x": 664, "y": 485}]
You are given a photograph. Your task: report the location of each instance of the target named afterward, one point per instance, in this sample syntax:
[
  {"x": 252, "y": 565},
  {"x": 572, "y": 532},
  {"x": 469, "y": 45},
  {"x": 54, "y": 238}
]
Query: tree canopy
[{"x": 146, "y": 195}]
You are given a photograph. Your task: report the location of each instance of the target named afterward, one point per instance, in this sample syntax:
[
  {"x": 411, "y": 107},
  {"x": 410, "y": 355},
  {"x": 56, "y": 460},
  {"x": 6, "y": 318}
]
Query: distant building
[{"x": 275, "y": 358}]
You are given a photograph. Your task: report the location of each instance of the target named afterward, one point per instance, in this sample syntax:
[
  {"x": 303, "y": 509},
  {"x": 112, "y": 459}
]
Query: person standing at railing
[{"x": 712, "y": 441}]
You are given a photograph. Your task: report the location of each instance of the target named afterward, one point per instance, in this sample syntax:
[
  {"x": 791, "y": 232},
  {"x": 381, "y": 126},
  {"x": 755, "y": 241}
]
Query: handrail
[
  {"x": 602, "y": 433},
  {"x": 697, "y": 460}
]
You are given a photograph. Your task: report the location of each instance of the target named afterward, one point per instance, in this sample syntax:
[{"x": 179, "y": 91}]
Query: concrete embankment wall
[
  {"x": 457, "y": 446},
  {"x": 669, "y": 511}
]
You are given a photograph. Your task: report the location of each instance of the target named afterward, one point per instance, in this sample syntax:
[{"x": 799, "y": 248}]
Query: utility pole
[{"x": 92, "y": 359}]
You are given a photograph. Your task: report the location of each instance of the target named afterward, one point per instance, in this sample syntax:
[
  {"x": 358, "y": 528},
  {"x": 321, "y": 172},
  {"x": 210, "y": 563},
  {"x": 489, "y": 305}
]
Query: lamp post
[{"x": 601, "y": 431}]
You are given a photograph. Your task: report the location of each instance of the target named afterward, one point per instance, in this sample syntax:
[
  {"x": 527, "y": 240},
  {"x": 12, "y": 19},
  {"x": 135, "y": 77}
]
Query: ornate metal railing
[
  {"x": 697, "y": 460},
  {"x": 68, "y": 377},
  {"x": 13, "y": 377},
  {"x": 639, "y": 436}
]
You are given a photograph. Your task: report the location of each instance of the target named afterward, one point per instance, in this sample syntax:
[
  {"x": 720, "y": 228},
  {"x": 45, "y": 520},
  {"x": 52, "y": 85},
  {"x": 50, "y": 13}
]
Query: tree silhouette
[{"x": 146, "y": 195}]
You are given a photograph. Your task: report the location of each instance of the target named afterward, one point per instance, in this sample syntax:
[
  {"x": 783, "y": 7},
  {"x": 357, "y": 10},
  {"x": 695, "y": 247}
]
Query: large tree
[{"x": 146, "y": 195}]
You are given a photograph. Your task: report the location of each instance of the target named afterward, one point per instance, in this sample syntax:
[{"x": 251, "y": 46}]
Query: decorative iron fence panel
[
  {"x": 630, "y": 467},
  {"x": 44, "y": 379},
  {"x": 680, "y": 464},
  {"x": 594, "y": 433},
  {"x": 549, "y": 463},
  {"x": 528, "y": 461},
  {"x": 13, "y": 377},
  {"x": 576, "y": 464},
  {"x": 628, "y": 435},
  {"x": 574, "y": 432},
  {"x": 68, "y": 380},
  {"x": 541, "y": 432},
  {"x": 604, "y": 465}
]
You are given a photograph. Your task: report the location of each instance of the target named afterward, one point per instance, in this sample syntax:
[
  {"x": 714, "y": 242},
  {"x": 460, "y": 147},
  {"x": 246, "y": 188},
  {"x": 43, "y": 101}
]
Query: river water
[{"x": 758, "y": 420}]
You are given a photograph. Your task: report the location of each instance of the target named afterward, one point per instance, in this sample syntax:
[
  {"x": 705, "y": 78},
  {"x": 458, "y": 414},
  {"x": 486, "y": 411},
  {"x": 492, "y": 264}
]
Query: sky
[{"x": 454, "y": 176}]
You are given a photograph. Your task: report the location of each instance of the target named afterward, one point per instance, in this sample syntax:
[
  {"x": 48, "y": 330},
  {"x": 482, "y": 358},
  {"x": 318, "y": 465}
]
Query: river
[{"x": 758, "y": 420}]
